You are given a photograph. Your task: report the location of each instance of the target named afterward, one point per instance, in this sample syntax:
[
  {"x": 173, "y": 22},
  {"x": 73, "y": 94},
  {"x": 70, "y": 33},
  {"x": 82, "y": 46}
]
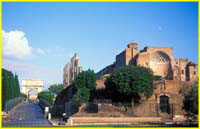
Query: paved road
[{"x": 27, "y": 115}]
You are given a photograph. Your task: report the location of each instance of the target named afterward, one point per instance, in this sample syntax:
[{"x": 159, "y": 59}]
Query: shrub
[
  {"x": 191, "y": 101},
  {"x": 133, "y": 81},
  {"x": 84, "y": 83},
  {"x": 46, "y": 95}
]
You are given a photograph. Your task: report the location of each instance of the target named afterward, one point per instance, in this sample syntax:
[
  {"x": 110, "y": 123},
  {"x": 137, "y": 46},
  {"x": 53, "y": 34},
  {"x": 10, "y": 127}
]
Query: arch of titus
[{"x": 32, "y": 85}]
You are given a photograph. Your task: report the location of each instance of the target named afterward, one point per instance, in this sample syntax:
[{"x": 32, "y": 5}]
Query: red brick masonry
[{"x": 117, "y": 120}]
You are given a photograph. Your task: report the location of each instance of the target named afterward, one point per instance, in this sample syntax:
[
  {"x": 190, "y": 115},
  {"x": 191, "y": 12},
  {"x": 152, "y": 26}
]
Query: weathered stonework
[
  {"x": 160, "y": 60},
  {"x": 174, "y": 72},
  {"x": 71, "y": 70}
]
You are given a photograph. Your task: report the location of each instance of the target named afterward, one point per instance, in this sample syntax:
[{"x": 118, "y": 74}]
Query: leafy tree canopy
[
  {"x": 82, "y": 95},
  {"x": 133, "y": 80},
  {"x": 56, "y": 88},
  {"x": 85, "y": 79},
  {"x": 48, "y": 96},
  {"x": 84, "y": 83},
  {"x": 10, "y": 86}
]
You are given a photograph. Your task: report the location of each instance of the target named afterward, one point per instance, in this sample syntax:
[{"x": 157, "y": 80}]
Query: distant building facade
[
  {"x": 71, "y": 70},
  {"x": 160, "y": 60}
]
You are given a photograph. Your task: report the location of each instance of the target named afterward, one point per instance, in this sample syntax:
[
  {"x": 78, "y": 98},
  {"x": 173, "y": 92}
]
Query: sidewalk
[
  {"x": 119, "y": 122},
  {"x": 109, "y": 121}
]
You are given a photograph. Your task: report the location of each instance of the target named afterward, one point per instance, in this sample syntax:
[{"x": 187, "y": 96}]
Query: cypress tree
[
  {"x": 7, "y": 86},
  {"x": 3, "y": 89},
  {"x": 10, "y": 86},
  {"x": 17, "y": 85},
  {"x": 13, "y": 86}
]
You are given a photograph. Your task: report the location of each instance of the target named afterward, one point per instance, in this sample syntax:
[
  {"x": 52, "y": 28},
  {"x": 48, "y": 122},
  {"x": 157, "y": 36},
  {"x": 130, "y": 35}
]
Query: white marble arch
[{"x": 29, "y": 85}]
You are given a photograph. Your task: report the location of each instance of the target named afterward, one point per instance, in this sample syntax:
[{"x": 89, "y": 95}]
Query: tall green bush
[
  {"x": 10, "y": 86},
  {"x": 46, "y": 95},
  {"x": 84, "y": 83},
  {"x": 56, "y": 88},
  {"x": 132, "y": 82},
  {"x": 191, "y": 101}
]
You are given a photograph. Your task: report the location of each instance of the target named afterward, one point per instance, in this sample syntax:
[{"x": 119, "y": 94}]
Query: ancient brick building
[
  {"x": 71, "y": 70},
  {"x": 167, "y": 97},
  {"x": 174, "y": 73},
  {"x": 160, "y": 60}
]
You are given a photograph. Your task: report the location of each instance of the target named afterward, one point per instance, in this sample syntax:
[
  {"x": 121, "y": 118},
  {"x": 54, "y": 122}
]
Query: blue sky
[{"x": 48, "y": 34}]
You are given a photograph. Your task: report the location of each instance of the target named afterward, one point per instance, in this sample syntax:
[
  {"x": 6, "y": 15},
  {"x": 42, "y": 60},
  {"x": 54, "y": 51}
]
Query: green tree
[
  {"x": 4, "y": 88},
  {"x": 191, "y": 101},
  {"x": 10, "y": 86},
  {"x": 84, "y": 83},
  {"x": 133, "y": 81},
  {"x": 56, "y": 88},
  {"x": 17, "y": 85},
  {"x": 46, "y": 95},
  {"x": 82, "y": 95}
]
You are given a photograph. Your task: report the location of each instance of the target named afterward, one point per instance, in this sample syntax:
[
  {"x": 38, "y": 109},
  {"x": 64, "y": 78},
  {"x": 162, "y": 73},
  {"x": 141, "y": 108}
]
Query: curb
[
  {"x": 53, "y": 124},
  {"x": 57, "y": 124}
]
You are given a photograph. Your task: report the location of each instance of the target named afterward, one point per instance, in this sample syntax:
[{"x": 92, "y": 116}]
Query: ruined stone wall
[
  {"x": 130, "y": 55},
  {"x": 143, "y": 59},
  {"x": 127, "y": 56},
  {"x": 107, "y": 70},
  {"x": 192, "y": 71},
  {"x": 71, "y": 70},
  {"x": 176, "y": 73},
  {"x": 169, "y": 86},
  {"x": 160, "y": 60},
  {"x": 160, "y": 69},
  {"x": 147, "y": 108},
  {"x": 172, "y": 90},
  {"x": 181, "y": 64},
  {"x": 121, "y": 59},
  {"x": 151, "y": 106},
  {"x": 182, "y": 67},
  {"x": 163, "y": 65}
]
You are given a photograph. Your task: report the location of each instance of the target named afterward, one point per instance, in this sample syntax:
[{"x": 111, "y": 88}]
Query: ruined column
[{"x": 71, "y": 70}]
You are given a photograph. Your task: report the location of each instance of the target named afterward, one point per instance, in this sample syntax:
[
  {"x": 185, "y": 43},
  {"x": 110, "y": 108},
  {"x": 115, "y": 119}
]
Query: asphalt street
[{"x": 27, "y": 115}]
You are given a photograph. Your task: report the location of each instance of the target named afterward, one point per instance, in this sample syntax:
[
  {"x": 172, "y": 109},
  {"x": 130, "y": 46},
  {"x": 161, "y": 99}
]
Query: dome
[
  {"x": 160, "y": 63},
  {"x": 160, "y": 57}
]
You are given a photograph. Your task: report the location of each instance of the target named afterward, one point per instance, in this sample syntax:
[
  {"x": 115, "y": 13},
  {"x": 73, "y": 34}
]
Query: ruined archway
[
  {"x": 32, "y": 94},
  {"x": 29, "y": 86}
]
